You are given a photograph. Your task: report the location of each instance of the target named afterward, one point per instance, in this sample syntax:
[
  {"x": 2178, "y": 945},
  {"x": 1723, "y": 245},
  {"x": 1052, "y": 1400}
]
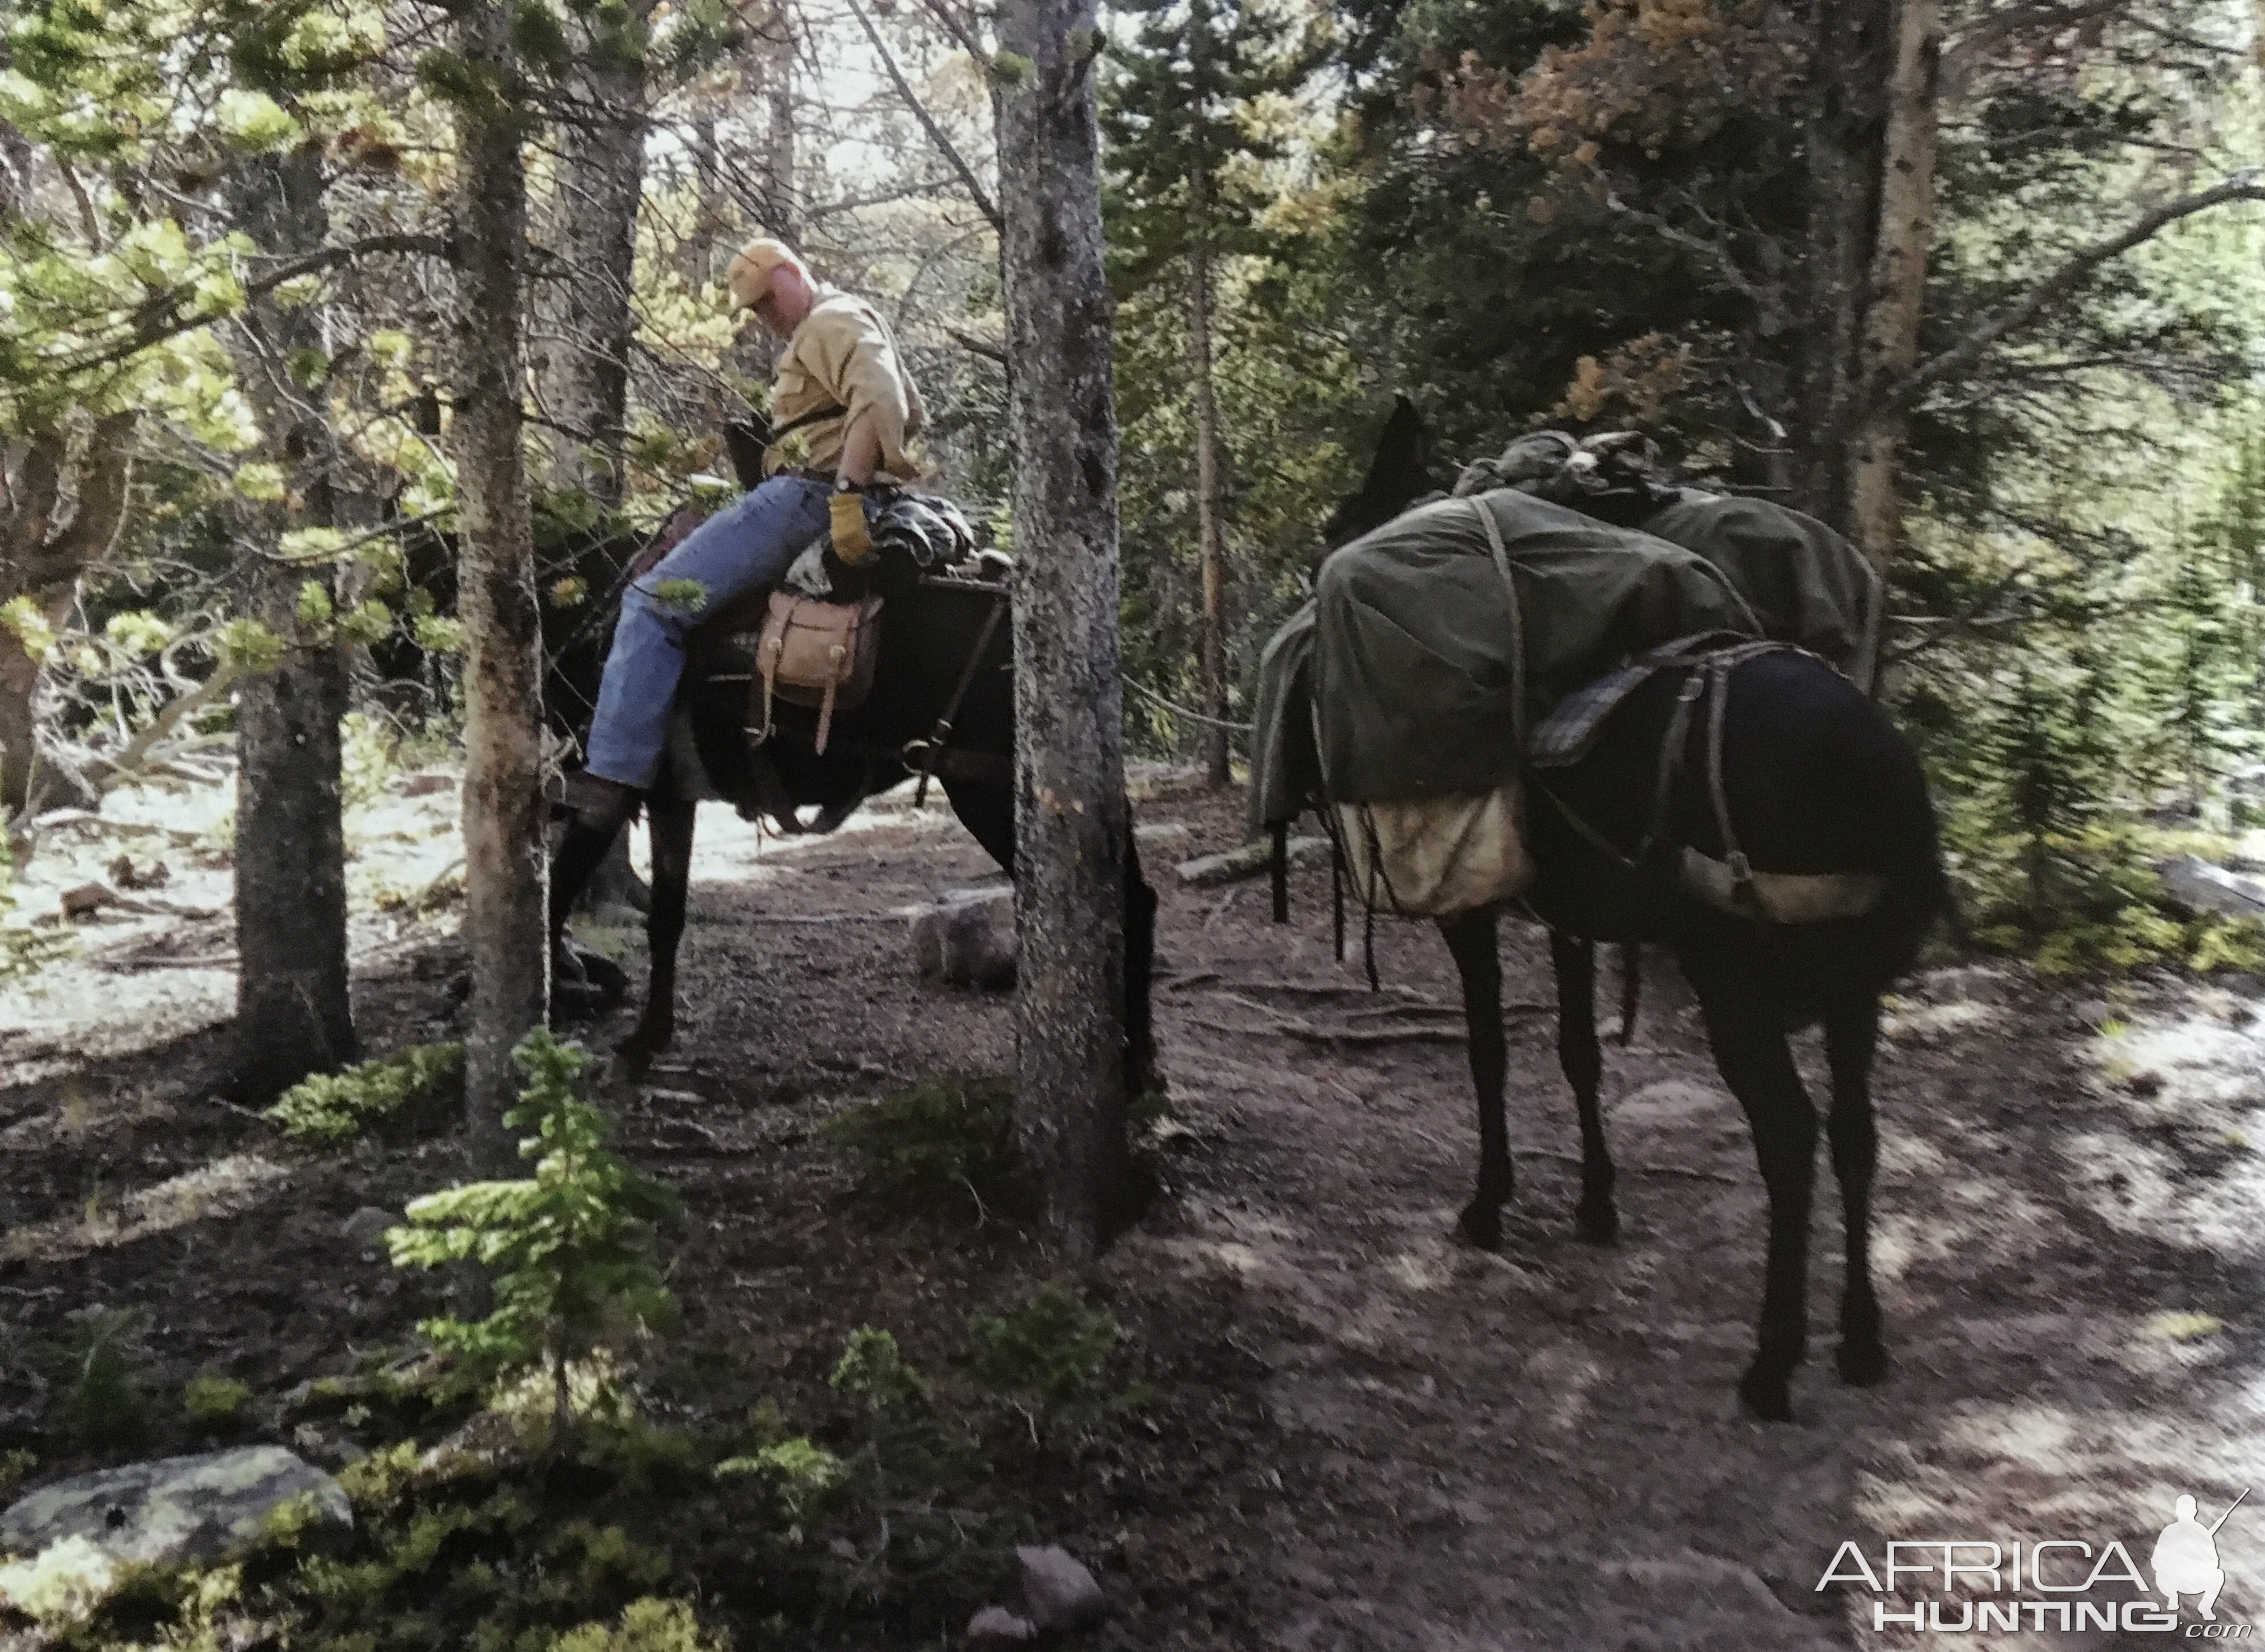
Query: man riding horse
[{"x": 843, "y": 407}]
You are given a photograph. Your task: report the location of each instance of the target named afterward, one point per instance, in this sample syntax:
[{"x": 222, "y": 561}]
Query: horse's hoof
[
  {"x": 644, "y": 1043},
  {"x": 1482, "y": 1224},
  {"x": 1598, "y": 1223},
  {"x": 605, "y": 976},
  {"x": 578, "y": 969},
  {"x": 1862, "y": 1364},
  {"x": 1767, "y": 1395}
]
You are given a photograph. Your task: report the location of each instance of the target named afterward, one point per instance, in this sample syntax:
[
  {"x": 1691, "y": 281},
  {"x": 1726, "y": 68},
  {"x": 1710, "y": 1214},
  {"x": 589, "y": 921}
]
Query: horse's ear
[
  {"x": 1397, "y": 476},
  {"x": 744, "y": 440},
  {"x": 1398, "y": 470}
]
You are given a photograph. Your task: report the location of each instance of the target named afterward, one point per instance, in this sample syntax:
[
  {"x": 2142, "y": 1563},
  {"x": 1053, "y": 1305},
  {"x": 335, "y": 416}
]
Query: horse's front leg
[
  {"x": 1470, "y": 937},
  {"x": 1575, "y": 962},
  {"x": 669, "y": 824},
  {"x": 582, "y": 982},
  {"x": 1746, "y": 1028}
]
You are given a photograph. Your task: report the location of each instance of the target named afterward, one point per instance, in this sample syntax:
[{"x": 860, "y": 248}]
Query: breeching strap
[{"x": 933, "y": 747}]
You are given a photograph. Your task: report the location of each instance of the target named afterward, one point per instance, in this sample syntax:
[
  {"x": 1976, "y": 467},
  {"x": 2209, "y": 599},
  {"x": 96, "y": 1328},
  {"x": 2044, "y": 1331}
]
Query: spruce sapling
[{"x": 571, "y": 1248}]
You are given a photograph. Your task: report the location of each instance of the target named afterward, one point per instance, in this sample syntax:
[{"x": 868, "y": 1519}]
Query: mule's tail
[{"x": 1891, "y": 819}]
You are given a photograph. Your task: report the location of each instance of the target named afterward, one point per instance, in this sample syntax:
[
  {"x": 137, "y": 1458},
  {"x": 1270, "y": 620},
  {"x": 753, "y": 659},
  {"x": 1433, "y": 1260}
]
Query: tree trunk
[
  {"x": 779, "y": 157},
  {"x": 45, "y": 550},
  {"x": 1207, "y": 529},
  {"x": 1072, "y": 829},
  {"x": 1899, "y": 285},
  {"x": 294, "y": 1013},
  {"x": 503, "y": 864},
  {"x": 585, "y": 363},
  {"x": 1848, "y": 71},
  {"x": 19, "y": 689}
]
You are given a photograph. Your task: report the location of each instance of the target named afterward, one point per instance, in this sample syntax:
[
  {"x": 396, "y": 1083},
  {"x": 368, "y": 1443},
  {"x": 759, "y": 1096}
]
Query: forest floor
[{"x": 1363, "y": 1434}]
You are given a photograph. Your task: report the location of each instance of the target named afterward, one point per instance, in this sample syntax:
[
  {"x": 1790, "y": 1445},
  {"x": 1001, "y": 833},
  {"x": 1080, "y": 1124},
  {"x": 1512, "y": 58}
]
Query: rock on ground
[
  {"x": 367, "y": 1226},
  {"x": 174, "y": 1509},
  {"x": 967, "y": 938},
  {"x": 995, "y": 1625},
  {"x": 1059, "y": 1592},
  {"x": 2199, "y": 886}
]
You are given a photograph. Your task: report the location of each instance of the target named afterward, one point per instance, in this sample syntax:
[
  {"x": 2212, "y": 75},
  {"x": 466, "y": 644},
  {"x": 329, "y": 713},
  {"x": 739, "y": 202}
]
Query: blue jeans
[{"x": 751, "y": 543}]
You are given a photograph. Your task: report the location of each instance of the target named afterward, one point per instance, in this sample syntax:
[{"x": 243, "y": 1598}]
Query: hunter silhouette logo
[{"x": 2186, "y": 1557}]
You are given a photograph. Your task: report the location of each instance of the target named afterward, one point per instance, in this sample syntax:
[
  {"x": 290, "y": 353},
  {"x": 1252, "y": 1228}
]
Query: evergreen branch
[
  {"x": 984, "y": 204},
  {"x": 160, "y": 316},
  {"x": 1903, "y": 393}
]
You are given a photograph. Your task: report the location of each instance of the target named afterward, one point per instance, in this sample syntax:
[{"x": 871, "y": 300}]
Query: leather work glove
[{"x": 853, "y": 542}]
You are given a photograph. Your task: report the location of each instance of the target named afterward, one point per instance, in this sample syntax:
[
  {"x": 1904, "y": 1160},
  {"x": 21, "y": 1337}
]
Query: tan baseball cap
[{"x": 748, "y": 275}]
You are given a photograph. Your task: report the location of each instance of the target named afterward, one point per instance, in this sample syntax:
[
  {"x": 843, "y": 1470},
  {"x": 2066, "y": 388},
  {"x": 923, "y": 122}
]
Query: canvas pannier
[
  {"x": 816, "y": 653},
  {"x": 1435, "y": 856}
]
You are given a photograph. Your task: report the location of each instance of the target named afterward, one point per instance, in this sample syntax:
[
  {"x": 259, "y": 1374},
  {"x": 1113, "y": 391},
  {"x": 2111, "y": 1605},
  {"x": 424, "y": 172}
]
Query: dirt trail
[
  {"x": 1540, "y": 1449},
  {"x": 1369, "y": 1436}
]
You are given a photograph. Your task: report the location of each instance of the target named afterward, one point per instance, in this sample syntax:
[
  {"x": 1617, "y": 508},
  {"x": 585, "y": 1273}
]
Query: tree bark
[
  {"x": 46, "y": 546},
  {"x": 779, "y": 162},
  {"x": 504, "y": 863},
  {"x": 1849, "y": 69},
  {"x": 1212, "y": 552},
  {"x": 1072, "y": 824},
  {"x": 1899, "y": 285},
  {"x": 585, "y": 365},
  {"x": 293, "y": 1012}
]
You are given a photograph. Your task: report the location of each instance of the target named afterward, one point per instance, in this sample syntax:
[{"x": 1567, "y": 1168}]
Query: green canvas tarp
[
  {"x": 1806, "y": 584},
  {"x": 1413, "y": 663}
]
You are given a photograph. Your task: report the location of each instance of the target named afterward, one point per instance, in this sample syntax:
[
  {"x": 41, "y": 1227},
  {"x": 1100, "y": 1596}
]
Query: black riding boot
[{"x": 577, "y": 856}]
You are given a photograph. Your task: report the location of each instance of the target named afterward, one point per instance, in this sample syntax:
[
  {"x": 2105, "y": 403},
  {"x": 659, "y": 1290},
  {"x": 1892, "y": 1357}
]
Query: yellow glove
[{"x": 852, "y": 542}]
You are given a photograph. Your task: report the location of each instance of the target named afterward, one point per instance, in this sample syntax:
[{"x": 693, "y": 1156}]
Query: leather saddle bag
[{"x": 816, "y": 653}]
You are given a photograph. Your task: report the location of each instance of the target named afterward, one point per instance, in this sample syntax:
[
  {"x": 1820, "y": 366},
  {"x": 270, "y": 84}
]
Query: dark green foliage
[
  {"x": 338, "y": 1106},
  {"x": 945, "y": 1143},
  {"x": 91, "y": 1373},
  {"x": 1050, "y": 1350}
]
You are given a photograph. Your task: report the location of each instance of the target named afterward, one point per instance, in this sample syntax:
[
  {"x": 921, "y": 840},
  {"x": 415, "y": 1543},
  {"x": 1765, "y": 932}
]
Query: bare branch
[
  {"x": 962, "y": 34},
  {"x": 984, "y": 204},
  {"x": 1905, "y": 392},
  {"x": 177, "y": 711},
  {"x": 1768, "y": 302},
  {"x": 88, "y": 221},
  {"x": 989, "y": 348}
]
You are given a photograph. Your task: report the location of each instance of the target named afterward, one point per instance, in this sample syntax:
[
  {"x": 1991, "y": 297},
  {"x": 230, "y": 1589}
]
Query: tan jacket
[{"x": 842, "y": 357}]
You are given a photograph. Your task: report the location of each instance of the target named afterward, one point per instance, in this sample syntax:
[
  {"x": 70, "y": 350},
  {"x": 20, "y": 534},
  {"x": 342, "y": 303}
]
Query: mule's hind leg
[
  {"x": 1470, "y": 936},
  {"x": 1852, "y": 1030},
  {"x": 669, "y": 824},
  {"x": 1141, "y": 1072},
  {"x": 1574, "y": 961},
  {"x": 1745, "y": 1028}
]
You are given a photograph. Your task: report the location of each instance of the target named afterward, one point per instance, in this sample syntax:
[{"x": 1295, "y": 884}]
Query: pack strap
[{"x": 1517, "y": 625}]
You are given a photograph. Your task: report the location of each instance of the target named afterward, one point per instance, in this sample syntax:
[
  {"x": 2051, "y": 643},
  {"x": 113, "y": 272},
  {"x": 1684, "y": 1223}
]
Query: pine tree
[{"x": 1183, "y": 201}]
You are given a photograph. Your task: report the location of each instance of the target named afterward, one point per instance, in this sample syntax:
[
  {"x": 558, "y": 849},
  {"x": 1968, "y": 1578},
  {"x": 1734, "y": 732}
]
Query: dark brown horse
[
  {"x": 940, "y": 647},
  {"x": 1818, "y": 781}
]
